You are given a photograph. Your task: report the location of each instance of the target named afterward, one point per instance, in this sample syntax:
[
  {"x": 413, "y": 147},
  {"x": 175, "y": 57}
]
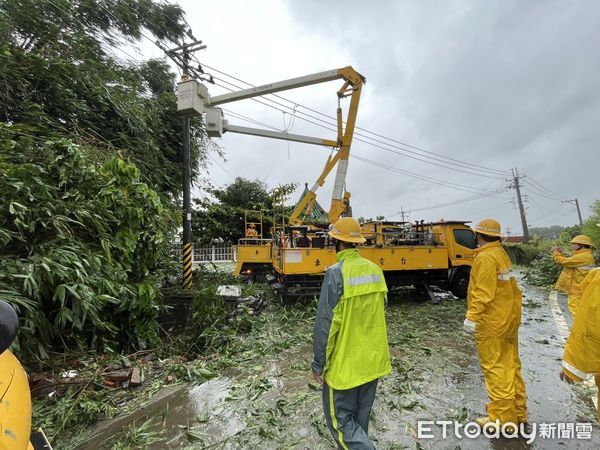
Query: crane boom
[{"x": 193, "y": 98}]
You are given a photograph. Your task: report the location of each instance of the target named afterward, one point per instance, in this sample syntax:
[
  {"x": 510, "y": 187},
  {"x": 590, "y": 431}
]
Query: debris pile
[{"x": 241, "y": 306}]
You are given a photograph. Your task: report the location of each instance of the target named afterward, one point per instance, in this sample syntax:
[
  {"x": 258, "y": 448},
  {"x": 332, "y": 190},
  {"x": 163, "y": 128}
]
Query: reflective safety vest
[{"x": 356, "y": 348}]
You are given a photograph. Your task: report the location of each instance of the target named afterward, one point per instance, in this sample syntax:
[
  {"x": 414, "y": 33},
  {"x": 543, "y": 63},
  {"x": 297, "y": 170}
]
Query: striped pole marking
[
  {"x": 187, "y": 265},
  {"x": 563, "y": 329}
]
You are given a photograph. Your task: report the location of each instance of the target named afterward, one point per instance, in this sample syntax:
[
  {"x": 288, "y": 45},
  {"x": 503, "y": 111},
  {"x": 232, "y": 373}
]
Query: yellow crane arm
[{"x": 193, "y": 98}]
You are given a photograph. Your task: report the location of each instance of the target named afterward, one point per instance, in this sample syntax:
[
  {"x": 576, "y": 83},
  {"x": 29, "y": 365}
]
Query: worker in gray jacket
[{"x": 350, "y": 348}]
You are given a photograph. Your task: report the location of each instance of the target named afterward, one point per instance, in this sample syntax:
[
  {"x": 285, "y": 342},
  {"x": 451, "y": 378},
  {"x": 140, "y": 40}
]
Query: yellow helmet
[
  {"x": 347, "y": 229},
  {"x": 489, "y": 227},
  {"x": 582, "y": 239}
]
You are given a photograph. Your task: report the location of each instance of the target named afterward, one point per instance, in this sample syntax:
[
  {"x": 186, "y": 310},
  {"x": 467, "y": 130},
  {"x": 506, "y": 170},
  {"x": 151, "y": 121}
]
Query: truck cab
[{"x": 458, "y": 237}]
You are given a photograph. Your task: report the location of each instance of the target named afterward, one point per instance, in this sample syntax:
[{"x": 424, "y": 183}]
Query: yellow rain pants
[
  {"x": 582, "y": 350},
  {"x": 501, "y": 367}
]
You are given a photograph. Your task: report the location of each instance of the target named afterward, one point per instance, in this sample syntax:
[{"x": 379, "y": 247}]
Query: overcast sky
[{"x": 490, "y": 84}]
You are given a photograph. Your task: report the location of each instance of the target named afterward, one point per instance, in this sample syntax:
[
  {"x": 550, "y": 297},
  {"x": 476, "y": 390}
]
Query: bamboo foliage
[{"x": 82, "y": 247}]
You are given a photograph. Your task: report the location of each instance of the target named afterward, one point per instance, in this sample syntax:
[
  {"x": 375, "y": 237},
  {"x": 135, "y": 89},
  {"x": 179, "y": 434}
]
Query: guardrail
[{"x": 207, "y": 253}]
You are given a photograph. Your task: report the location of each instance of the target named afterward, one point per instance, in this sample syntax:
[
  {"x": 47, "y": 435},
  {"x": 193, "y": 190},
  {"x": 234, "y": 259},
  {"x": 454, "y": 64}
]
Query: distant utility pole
[
  {"x": 517, "y": 186},
  {"x": 181, "y": 56},
  {"x": 402, "y": 212},
  {"x": 576, "y": 203}
]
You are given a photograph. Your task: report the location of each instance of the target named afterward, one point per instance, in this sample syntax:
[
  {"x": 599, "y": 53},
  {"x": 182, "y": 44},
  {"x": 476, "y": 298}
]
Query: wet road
[{"x": 264, "y": 398}]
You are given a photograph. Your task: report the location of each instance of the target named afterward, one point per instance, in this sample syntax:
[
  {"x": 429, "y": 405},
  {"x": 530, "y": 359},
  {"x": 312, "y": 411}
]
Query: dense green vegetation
[
  {"x": 83, "y": 247},
  {"x": 537, "y": 254},
  {"x": 90, "y": 170},
  {"x": 220, "y": 215},
  {"x": 60, "y": 76}
]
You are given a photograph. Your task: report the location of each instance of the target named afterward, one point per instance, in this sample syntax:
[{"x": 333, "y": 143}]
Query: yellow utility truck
[
  {"x": 421, "y": 254},
  {"x": 295, "y": 255}
]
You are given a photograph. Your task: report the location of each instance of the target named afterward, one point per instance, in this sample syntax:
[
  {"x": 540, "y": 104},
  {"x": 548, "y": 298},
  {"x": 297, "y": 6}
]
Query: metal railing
[{"x": 207, "y": 253}]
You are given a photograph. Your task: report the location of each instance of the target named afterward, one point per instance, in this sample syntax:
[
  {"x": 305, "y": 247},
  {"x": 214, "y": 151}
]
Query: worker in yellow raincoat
[
  {"x": 575, "y": 269},
  {"x": 15, "y": 397},
  {"x": 251, "y": 232},
  {"x": 494, "y": 317},
  {"x": 582, "y": 352}
]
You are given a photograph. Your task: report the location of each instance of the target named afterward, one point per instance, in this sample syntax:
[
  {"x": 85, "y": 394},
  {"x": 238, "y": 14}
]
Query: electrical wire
[
  {"x": 435, "y": 181},
  {"x": 435, "y": 155},
  {"x": 551, "y": 212},
  {"x": 539, "y": 191},
  {"x": 369, "y": 141},
  {"x": 443, "y": 205},
  {"x": 540, "y": 194},
  {"x": 545, "y": 188}
]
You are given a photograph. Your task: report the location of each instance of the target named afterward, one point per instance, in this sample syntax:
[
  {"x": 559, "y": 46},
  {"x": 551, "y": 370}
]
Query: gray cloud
[{"x": 500, "y": 84}]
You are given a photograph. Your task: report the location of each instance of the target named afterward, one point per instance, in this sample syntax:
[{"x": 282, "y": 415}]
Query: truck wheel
[{"x": 460, "y": 283}]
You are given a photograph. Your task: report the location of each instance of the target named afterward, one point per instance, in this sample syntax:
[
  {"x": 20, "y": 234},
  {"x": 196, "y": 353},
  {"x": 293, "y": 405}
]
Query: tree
[
  {"x": 222, "y": 216},
  {"x": 60, "y": 77},
  {"x": 589, "y": 225},
  {"x": 553, "y": 232}
]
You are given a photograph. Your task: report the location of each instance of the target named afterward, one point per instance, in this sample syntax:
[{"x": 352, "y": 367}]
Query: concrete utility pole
[
  {"x": 517, "y": 187},
  {"x": 402, "y": 212},
  {"x": 576, "y": 203},
  {"x": 181, "y": 56}
]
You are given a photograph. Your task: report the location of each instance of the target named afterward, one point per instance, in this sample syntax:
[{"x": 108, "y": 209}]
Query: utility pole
[
  {"x": 517, "y": 186},
  {"x": 181, "y": 56},
  {"x": 402, "y": 212},
  {"x": 576, "y": 203}
]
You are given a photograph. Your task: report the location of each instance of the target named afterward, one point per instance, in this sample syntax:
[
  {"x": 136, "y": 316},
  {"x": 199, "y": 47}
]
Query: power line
[
  {"x": 539, "y": 191},
  {"x": 369, "y": 141},
  {"x": 545, "y": 188},
  {"x": 551, "y": 212},
  {"x": 435, "y": 181},
  {"x": 453, "y": 203},
  {"x": 540, "y": 194},
  {"x": 434, "y": 157}
]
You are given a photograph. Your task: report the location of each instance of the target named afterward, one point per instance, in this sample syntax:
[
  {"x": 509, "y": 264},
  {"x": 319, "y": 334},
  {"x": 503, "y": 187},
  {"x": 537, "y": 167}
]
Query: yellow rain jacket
[
  {"x": 350, "y": 346},
  {"x": 493, "y": 299},
  {"x": 575, "y": 269},
  {"x": 494, "y": 304},
  {"x": 15, "y": 404},
  {"x": 582, "y": 352}
]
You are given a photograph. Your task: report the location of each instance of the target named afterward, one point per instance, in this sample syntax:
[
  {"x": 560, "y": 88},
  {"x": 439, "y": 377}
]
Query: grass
[{"x": 134, "y": 437}]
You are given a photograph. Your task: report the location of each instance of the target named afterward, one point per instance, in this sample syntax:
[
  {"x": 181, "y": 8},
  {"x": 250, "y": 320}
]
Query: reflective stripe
[
  {"x": 482, "y": 228},
  {"x": 505, "y": 275},
  {"x": 350, "y": 233},
  {"x": 364, "y": 279},
  {"x": 334, "y": 420},
  {"x": 575, "y": 371},
  {"x": 586, "y": 267}
]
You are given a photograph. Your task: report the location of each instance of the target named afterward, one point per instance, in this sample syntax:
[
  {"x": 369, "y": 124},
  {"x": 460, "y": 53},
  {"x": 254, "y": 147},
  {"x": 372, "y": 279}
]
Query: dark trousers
[{"x": 347, "y": 414}]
